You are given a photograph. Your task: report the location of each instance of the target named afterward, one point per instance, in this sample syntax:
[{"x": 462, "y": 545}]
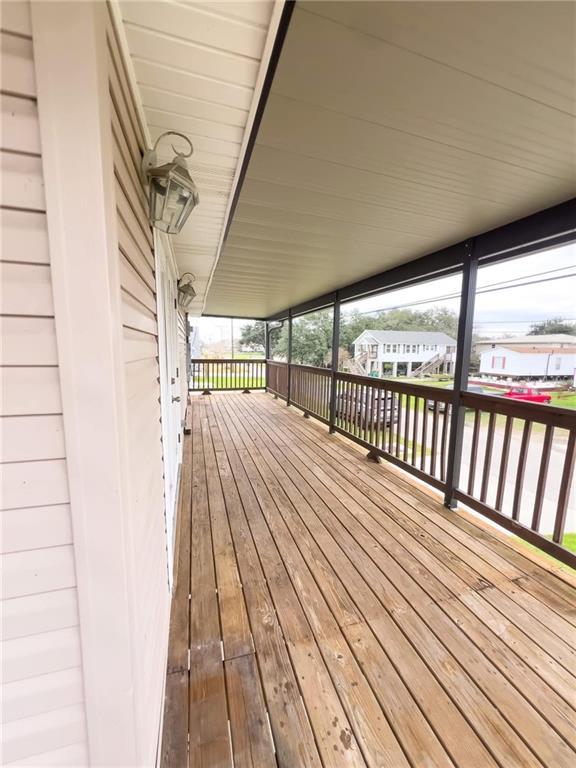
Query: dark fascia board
[
  {"x": 320, "y": 302},
  {"x": 281, "y": 32},
  {"x": 548, "y": 228},
  {"x": 531, "y": 233}
]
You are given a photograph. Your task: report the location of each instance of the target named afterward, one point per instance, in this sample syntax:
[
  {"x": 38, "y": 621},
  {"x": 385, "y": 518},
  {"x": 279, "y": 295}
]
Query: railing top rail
[
  {"x": 228, "y": 360},
  {"x": 277, "y": 362},
  {"x": 419, "y": 390},
  {"x": 313, "y": 369},
  {"x": 541, "y": 414}
]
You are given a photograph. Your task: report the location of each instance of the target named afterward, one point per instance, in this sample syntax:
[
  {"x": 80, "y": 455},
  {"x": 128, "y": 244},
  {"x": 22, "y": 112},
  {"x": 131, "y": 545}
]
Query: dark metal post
[
  {"x": 463, "y": 349},
  {"x": 266, "y": 352},
  {"x": 289, "y": 355},
  {"x": 335, "y": 351}
]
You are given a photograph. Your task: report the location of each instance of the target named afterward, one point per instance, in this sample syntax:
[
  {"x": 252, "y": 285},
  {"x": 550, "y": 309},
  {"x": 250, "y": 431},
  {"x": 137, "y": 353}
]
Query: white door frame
[{"x": 167, "y": 307}]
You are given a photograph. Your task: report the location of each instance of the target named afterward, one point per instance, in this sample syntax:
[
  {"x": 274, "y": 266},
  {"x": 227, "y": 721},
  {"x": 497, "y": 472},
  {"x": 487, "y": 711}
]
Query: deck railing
[
  {"x": 277, "y": 378},
  {"x": 209, "y": 375},
  {"x": 404, "y": 423},
  {"x": 495, "y": 466},
  {"x": 310, "y": 390},
  {"x": 409, "y": 425}
]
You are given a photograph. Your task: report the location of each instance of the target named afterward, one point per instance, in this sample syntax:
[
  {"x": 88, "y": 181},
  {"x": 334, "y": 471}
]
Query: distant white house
[
  {"x": 409, "y": 353},
  {"x": 548, "y": 357},
  {"x": 529, "y": 363},
  {"x": 560, "y": 341}
]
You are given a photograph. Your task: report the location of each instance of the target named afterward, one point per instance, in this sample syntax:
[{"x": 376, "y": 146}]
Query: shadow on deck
[{"x": 340, "y": 615}]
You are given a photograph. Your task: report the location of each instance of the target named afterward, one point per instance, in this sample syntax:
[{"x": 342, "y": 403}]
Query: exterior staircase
[
  {"x": 433, "y": 365},
  {"x": 357, "y": 365}
]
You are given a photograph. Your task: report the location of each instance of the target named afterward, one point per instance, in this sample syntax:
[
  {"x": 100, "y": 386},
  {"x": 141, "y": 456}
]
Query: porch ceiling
[
  {"x": 393, "y": 129},
  {"x": 199, "y": 67}
]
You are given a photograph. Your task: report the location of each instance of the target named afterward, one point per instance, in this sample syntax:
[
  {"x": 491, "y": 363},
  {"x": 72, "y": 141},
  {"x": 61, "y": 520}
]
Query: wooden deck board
[{"x": 340, "y": 616}]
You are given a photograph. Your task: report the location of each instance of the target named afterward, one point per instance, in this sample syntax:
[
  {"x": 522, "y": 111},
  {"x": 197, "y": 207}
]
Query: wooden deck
[{"x": 339, "y": 615}]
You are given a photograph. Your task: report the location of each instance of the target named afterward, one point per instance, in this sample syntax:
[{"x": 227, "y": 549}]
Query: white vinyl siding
[
  {"x": 42, "y": 688},
  {"x": 146, "y": 516}
]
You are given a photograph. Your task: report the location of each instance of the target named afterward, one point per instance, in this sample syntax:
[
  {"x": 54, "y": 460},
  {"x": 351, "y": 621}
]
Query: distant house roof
[
  {"x": 524, "y": 349},
  {"x": 410, "y": 337},
  {"x": 546, "y": 340}
]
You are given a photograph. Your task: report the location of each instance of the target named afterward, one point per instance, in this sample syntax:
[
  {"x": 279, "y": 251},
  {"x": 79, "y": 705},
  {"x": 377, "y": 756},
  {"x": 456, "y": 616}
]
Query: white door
[{"x": 170, "y": 392}]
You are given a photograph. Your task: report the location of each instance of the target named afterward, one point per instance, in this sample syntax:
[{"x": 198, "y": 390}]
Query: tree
[
  {"x": 552, "y": 325},
  {"x": 253, "y": 335},
  {"x": 311, "y": 339}
]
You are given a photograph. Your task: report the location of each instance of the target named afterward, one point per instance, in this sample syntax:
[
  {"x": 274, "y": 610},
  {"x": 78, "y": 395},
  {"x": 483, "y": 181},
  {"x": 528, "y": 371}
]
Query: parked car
[
  {"x": 526, "y": 393},
  {"x": 474, "y": 388},
  {"x": 349, "y": 406}
]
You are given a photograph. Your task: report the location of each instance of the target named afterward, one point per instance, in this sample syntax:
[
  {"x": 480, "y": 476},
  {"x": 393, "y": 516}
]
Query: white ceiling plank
[
  {"x": 198, "y": 24},
  {"x": 155, "y": 98},
  {"x": 195, "y": 127},
  {"x": 235, "y": 70},
  {"x": 257, "y": 12}
]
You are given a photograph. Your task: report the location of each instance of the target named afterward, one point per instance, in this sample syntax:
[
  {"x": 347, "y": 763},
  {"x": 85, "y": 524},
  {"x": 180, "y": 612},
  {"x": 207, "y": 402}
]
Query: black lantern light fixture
[
  {"x": 186, "y": 291},
  {"x": 172, "y": 192}
]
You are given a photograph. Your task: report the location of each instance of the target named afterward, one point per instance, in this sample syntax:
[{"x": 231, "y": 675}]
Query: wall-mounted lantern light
[
  {"x": 172, "y": 192},
  {"x": 186, "y": 291}
]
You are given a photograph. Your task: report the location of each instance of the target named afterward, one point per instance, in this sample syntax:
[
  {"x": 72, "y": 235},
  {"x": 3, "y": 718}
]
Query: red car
[{"x": 525, "y": 393}]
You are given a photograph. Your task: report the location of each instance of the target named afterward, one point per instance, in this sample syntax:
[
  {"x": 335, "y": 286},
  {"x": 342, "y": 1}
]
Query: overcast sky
[
  {"x": 506, "y": 311},
  {"x": 498, "y": 313}
]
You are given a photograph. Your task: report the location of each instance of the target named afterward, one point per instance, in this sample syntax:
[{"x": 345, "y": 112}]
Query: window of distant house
[
  {"x": 387, "y": 347},
  {"x": 373, "y": 350},
  {"x": 394, "y": 347},
  {"x": 498, "y": 363},
  {"x": 414, "y": 348},
  {"x": 557, "y": 363}
]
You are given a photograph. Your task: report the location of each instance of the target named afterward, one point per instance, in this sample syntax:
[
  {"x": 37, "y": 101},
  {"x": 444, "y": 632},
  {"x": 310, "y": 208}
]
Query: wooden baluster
[
  {"x": 565, "y": 485},
  {"x": 398, "y": 426},
  {"x": 365, "y": 422},
  {"x": 474, "y": 452},
  {"x": 409, "y": 401},
  {"x": 487, "y": 456},
  {"x": 424, "y": 437},
  {"x": 377, "y": 436},
  {"x": 434, "y": 439},
  {"x": 385, "y": 413},
  {"x": 521, "y": 469},
  {"x": 353, "y": 407},
  {"x": 367, "y": 413},
  {"x": 415, "y": 429},
  {"x": 373, "y": 416},
  {"x": 542, "y": 475},
  {"x": 504, "y": 463},
  {"x": 392, "y": 423},
  {"x": 444, "y": 440}
]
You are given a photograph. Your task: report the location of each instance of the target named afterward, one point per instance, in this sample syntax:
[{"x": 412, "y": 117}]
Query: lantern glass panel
[{"x": 173, "y": 196}]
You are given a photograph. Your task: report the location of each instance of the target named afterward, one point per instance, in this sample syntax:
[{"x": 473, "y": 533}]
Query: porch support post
[
  {"x": 289, "y": 356},
  {"x": 463, "y": 349},
  {"x": 335, "y": 350},
  {"x": 266, "y": 351}
]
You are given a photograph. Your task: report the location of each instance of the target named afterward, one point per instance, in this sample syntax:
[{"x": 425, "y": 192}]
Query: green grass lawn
[{"x": 564, "y": 399}]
